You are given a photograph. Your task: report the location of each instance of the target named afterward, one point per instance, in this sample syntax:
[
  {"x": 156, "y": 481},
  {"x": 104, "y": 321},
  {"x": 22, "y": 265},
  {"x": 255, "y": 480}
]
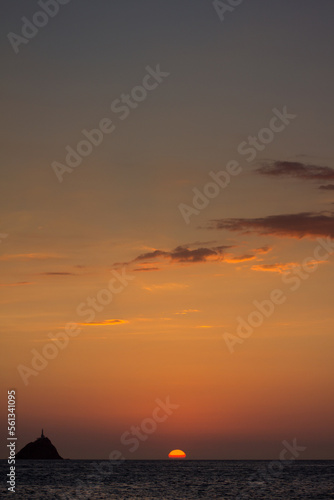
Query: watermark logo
[
  {"x": 11, "y": 481},
  {"x": 132, "y": 437},
  {"x": 59, "y": 341},
  {"x": 265, "y": 308},
  {"x": 122, "y": 106},
  {"x": 227, "y": 6},
  {"x": 250, "y": 148},
  {"x": 273, "y": 469}
]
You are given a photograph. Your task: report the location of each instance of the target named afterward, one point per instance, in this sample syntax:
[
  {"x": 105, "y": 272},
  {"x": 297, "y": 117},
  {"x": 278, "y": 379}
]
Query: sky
[{"x": 185, "y": 256}]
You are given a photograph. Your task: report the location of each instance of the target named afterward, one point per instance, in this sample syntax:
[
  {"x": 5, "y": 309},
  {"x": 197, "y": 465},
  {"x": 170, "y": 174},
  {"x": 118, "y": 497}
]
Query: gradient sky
[{"x": 164, "y": 334}]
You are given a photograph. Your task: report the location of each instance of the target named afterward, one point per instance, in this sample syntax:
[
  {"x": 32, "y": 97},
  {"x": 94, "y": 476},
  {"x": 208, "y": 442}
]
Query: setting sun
[{"x": 177, "y": 454}]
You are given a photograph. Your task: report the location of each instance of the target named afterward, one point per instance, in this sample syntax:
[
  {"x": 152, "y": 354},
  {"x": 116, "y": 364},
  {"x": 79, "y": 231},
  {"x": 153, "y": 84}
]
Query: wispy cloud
[
  {"x": 19, "y": 283},
  {"x": 30, "y": 256},
  {"x": 300, "y": 225},
  {"x": 143, "y": 269},
  {"x": 54, "y": 273},
  {"x": 239, "y": 258},
  {"x": 263, "y": 250},
  {"x": 328, "y": 187},
  {"x": 283, "y": 268},
  {"x": 297, "y": 170},
  {"x": 165, "y": 286},
  {"x": 187, "y": 311},
  {"x": 275, "y": 268},
  {"x": 106, "y": 322},
  {"x": 183, "y": 254}
]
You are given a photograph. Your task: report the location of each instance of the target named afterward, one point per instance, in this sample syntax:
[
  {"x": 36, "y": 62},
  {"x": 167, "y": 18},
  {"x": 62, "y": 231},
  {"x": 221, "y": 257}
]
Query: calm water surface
[{"x": 192, "y": 479}]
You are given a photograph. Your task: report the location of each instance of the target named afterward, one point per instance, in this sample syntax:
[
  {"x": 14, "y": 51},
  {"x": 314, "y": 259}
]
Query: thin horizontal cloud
[
  {"x": 183, "y": 254},
  {"x": 165, "y": 286},
  {"x": 143, "y": 320},
  {"x": 275, "y": 268},
  {"x": 328, "y": 187},
  {"x": 19, "y": 283},
  {"x": 297, "y": 170},
  {"x": 144, "y": 269},
  {"x": 239, "y": 258},
  {"x": 263, "y": 250},
  {"x": 106, "y": 322},
  {"x": 23, "y": 257},
  {"x": 81, "y": 338},
  {"x": 187, "y": 311},
  {"x": 58, "y": 274},
  {"x": 300, "y": 225},
  {"x": 283, "y": 268}
]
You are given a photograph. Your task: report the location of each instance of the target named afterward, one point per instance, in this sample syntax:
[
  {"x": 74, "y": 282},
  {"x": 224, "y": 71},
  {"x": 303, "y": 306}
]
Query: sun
[{"x": 177, "y": 454}]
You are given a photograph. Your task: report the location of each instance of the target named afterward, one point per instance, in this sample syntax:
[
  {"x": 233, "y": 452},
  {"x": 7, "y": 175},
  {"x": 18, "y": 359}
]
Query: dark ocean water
[{"x": 240, "y": 480}]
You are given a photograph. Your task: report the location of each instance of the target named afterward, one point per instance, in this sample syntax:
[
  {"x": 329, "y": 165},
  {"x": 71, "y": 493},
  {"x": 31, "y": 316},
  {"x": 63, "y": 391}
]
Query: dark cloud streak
[
  {"x": 300, "y": 225},
  {"x": 57, "y": 274},
  {"x": 142, "y": 269},
  {"x": 184, "y": 254},
  {"x": 181, "y": 254},
  {"x": 297, "y": 170}
]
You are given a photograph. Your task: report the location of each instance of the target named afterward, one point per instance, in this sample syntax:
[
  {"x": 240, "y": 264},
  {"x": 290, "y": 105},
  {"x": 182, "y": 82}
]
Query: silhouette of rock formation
[{"x": 41, "y": 449}]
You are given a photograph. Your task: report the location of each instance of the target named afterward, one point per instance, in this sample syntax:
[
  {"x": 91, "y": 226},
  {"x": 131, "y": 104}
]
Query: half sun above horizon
[{"x": 177, "y": 454}]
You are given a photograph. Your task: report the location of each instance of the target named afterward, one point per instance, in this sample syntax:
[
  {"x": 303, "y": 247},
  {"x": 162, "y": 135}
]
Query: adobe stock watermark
[
  {"x": 132, "y": 437},
  {"x": 274, "y": 469},
  {"x": 59, "y": 341},
  {"x": 123, "y": 107},
  {"x": 250, "y": 148},
  {"x": 227, "y": 6},
  {"x": 3, "y": 236},
  {"x": 40, "y": 19},
  {"x": 265, "y": 308}
]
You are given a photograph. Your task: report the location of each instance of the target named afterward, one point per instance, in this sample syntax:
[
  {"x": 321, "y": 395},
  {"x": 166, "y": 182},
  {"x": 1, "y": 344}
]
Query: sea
[{"x": 161, "y": 479}]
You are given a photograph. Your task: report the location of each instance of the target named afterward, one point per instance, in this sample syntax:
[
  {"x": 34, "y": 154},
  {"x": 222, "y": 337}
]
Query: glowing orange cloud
[
  {"x": 240, "y": 258},
  {"x": 106, "y": 322},
  {"x": 284, "y": 268},
  {"x": 275, "y": 268},
  {"x": 177, "y": 454},
  {"x": 186, "y": 311},
  {"x": 165, "y": 286}
]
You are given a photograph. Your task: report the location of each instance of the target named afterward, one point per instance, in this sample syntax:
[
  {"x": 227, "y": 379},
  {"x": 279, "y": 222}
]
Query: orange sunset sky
[{"x": 161, "y": 331}]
